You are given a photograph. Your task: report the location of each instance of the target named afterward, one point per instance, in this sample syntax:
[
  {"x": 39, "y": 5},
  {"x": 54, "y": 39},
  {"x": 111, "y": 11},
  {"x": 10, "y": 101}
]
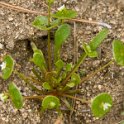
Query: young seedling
[{"x": 57, "y": 79}]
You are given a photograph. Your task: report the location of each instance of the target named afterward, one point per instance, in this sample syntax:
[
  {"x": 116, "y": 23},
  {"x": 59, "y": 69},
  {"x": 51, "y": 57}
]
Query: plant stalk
[
  {"x": 49, "y": 39},
  {"x": 81, "y": 59},
  {"x": 33, "y": 97},
  {"x": 79, "y": 99},
  {"x": 95, "y": 72}
]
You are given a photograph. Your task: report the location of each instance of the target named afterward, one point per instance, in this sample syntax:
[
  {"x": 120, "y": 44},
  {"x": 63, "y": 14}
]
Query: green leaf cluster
[{"x": 91, "y": 48}]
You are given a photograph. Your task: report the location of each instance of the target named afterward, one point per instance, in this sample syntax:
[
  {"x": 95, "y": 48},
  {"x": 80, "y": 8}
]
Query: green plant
[{"x": 56, "y": 78}]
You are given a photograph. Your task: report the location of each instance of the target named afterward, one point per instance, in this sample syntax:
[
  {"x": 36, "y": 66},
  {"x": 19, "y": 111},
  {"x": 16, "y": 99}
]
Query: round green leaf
[
  {"x": 101, "y": 104},
  {"x": 50, "y": 102},
  {"x": 15, "y": 96},
  {"x": 118, "y": 51},
  {"x": 7, "y": 67}
]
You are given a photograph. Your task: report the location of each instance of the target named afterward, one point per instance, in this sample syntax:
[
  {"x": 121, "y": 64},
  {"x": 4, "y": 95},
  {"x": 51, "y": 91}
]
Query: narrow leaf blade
[
  {"x": 15, "y": 96},
  {"x": 96, "y": 41},
  {"x": 61, "y": 35},
  {"x": 118, "y": 52}
]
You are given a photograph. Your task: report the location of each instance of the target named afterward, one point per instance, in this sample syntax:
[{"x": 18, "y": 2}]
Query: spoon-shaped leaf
[
  {"x": 61, "y": 35},
  {"x": 38, "y": 60},
  {"x": 38, "y": 57},
  {"x": 7, "y": 67},
  {"x": 96, "y": 41},
  {"x": 15, "y": 96},
  {"x": 65, "y": 14},
  {"x": 101, "y": 104},
  {"x": 50, "y": 102},
  {"x": 118, "y": 51}
]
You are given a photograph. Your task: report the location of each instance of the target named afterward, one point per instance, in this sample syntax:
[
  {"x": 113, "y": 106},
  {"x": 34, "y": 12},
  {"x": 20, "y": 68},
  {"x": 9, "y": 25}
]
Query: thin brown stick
[
  {"x": 75, "y": 61},
  {"x": 33, "y": 97},
  {"x": 76, "y": 98},
  {"x": 21, "y": 9}
]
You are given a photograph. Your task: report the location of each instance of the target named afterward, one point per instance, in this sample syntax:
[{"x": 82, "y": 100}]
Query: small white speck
[
  {"x": 61, "y": 8},
  {"x": 105, "y": 25},
  {"x": 106, "y": 106},
  {"x": 3, "y": 97},
  {"x": 3, "y": 65}
]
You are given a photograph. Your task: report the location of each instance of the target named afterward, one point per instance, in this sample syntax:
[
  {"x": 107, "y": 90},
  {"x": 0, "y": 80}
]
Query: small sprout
[
  {"x": 101, "y": 104},
  {"x": 118, "y": 51},
  {"x": 3, "y": 97},
  {"x": 75, "y": 78},
  {"x": 61, "y": 8},
  {"x": 47, "y": 86},
  {"x": 91, "y": 48},
  {"x": 15, "y": 96},
  {"x": 89, "y": 52},
  {"x": 59, "y": 64},
  {"x": 50, "y": 102}
]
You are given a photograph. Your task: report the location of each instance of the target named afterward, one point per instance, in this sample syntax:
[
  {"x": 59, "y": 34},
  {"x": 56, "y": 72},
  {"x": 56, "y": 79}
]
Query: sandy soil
[{"x": 16, "y": 31}]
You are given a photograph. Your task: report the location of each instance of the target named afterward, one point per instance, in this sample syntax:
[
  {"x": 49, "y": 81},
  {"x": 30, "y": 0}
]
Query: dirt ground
[{"x": 15, "y": 33}]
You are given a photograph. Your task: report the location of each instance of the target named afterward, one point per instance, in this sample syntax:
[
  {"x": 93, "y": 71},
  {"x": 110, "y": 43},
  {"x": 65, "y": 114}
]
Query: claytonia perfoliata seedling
[{"x": 54, "y": 80}]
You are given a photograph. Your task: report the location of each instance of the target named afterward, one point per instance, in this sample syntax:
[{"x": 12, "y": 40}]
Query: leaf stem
[
  {"x": 81, "y": 59},
  {"x": 79, "y": 99},
  {"x": 33, "y": 97},
  {"x": 49, "y": 39},
  {"x": 95, "y": 72}
]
